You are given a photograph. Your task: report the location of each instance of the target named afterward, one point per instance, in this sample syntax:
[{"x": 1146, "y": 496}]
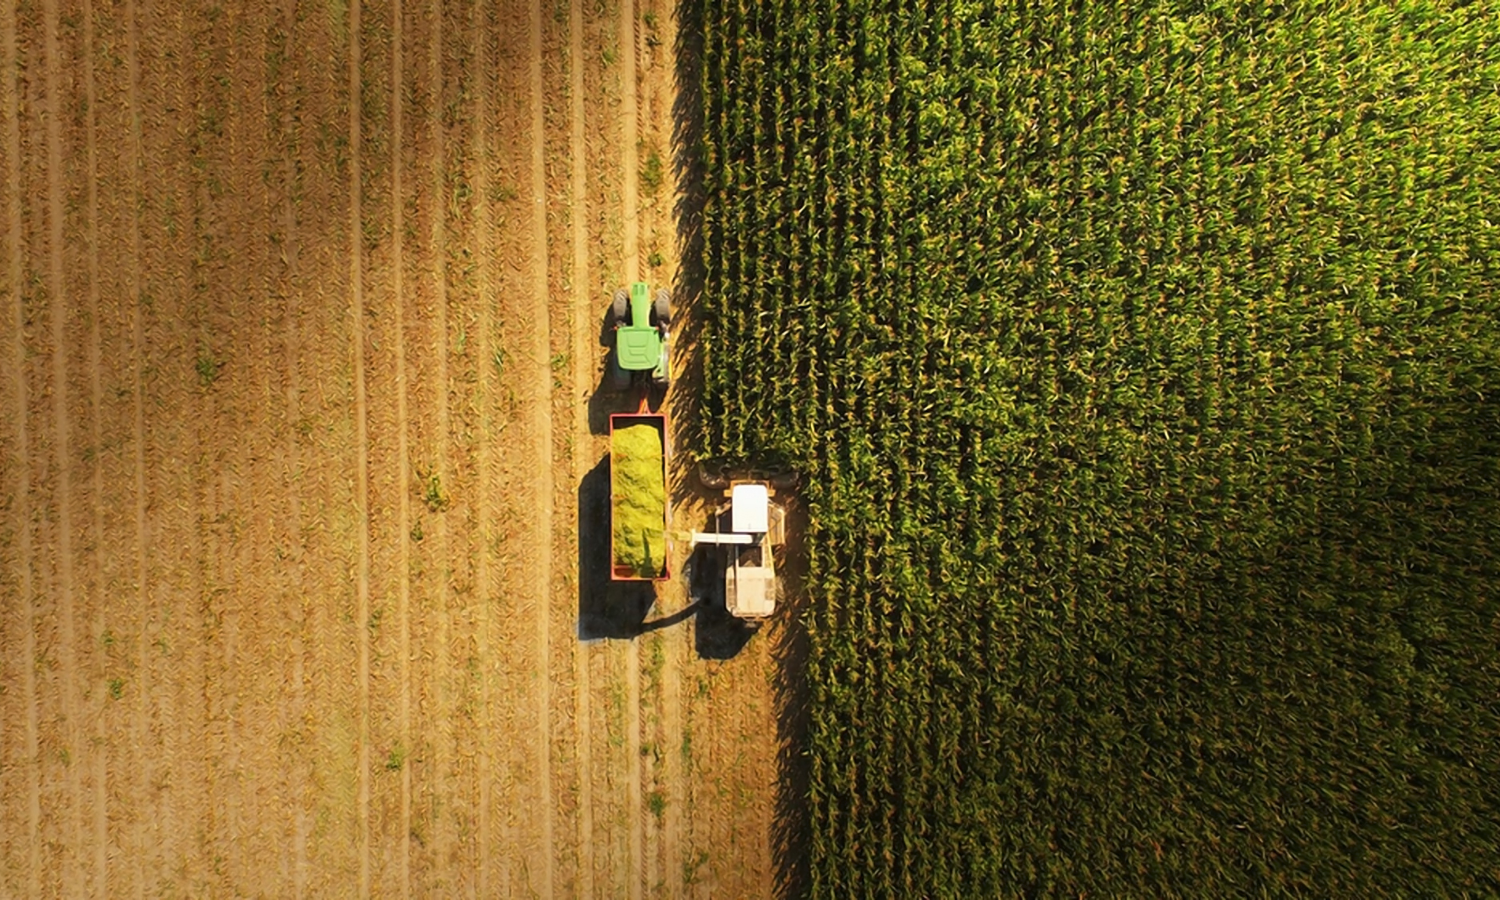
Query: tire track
[
  {"x": 487, "y": 488},
  {"x": 293, "y": 721},
  {"x": 143, "y": 762},
  {"x": 605, "y": 660},
  {"x": 403, "y": 453},
  {"x": 57, "y": 298},
  {"x": 174, "y": 544},
  {"x": 656, "y": 92},
  {"x": 539, "y": 414},
  {"x": 212, "y": 299},
  {"x": 582, "y": 386},
  {"x": 219, "y": 311},
  {"x": 299, "y": 627},
  {"x": 224, "y": 686},
  {"x": 197, "y": 750},
  {"x": 321, "y": 189},
  {"x": 100, "y": 688},
  {"x": 362, "y": 461},
  {"x": 253, "y": 650},
  {"x": 443, "y": 837},
  {"x": 20, "y": 414}
]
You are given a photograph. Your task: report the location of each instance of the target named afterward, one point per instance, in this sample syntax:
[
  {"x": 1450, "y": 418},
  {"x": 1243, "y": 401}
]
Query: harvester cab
[{"x": 641, "y": 337}]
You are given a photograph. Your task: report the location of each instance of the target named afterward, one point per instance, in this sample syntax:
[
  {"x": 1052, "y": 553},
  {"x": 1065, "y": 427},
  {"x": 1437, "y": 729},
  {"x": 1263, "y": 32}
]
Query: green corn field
[{"x": 1142, "y": 364}]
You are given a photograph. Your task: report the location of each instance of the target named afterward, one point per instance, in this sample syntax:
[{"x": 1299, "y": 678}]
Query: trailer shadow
[{"x": 606, "y": 608}]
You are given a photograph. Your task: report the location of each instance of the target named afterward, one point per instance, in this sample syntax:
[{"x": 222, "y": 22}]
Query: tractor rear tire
[
  {"x": 616, "y": 379},
  {"x": 663, "y": 306},
  {"x": 620, "y": 307},
  {"x": 665, "y": 380}
]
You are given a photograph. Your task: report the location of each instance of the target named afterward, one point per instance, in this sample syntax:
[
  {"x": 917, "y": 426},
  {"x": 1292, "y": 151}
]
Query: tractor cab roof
[{"x": 638, "y": 348}]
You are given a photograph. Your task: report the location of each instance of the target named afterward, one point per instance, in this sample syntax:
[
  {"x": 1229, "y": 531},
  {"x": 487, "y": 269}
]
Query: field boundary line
[
  {"x": 540, "y": 413},
  {"x": 362, "y": 461},
  {"x": 101, "y": 824},
  {"x": 56, "y": 297},
  {"x": 578, "y": 215},
  {"x": 402, "y": 449},
  {"x": 18, "y": 387}
]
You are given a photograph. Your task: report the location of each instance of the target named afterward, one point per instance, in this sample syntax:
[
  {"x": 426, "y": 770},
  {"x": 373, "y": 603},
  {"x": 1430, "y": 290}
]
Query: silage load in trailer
[{"x": 640, "y": 501}]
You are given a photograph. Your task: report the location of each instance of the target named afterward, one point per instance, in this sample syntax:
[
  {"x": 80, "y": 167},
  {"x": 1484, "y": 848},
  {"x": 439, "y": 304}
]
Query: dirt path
[{"x": 304, "y": 463}]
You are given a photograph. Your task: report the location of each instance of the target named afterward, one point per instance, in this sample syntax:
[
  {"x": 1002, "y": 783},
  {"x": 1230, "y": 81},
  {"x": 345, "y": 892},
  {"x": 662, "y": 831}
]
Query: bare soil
[{"x": 302, "y": 463}]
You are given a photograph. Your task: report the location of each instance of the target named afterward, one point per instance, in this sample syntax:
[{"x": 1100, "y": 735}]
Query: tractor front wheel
[
  {"x": 620, "y": 307},
  {"x": 663, "y": 306}
]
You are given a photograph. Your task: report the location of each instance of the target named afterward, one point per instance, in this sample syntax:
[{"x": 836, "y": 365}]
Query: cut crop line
[
  {"x": 442, "y": 828},
  {"x": 403, "y": 615},
  {"x": 23, "y": 463},
  {"x": 100, "y": 689},
  {"x": 582, "y": 378},
  {"x": 486, "y": 489},
  {"x": 540, "y": 414},
  {"x": 362, "y": 457},
  {"x": 57, "y": 298},
  {"x": 143, "y": 767}
]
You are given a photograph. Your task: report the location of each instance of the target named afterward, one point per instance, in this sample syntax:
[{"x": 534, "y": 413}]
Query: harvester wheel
[
  {"x": 712, "y": 477},
  {"x": 663, "y": 306},
  {"x": 620, "y": 307},
  {"x": 784, "y": 481}
]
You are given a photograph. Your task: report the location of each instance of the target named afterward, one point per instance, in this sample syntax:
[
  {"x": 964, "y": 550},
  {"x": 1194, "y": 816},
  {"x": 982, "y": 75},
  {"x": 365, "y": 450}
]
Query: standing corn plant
[{"x": 1142, "y": 360}]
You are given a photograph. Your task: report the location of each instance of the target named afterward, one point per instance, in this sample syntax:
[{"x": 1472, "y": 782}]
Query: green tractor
[{"x": 641, "y": 339}]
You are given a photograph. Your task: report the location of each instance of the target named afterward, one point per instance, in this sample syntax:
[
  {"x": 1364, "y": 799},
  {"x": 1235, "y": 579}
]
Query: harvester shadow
[
  {"x": 716, "y": 633},
  {"x": 606, "y": 609}
]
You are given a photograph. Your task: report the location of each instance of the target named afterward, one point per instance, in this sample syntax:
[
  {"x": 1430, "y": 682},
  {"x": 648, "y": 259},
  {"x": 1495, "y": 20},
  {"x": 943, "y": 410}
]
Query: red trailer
[{"x": 638, "y": 453}]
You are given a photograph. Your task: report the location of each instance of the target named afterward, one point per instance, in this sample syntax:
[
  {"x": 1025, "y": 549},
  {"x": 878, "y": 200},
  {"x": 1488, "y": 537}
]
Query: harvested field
[{"x": 302, "y": 309}]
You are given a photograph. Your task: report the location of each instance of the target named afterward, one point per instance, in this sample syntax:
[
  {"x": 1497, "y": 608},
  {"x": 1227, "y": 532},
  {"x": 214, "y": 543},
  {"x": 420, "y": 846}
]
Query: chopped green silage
[{"x": 640, "y": 500}]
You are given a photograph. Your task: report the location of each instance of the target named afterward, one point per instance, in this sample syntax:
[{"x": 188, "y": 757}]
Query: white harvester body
[{"x": 750, "y": 531}]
